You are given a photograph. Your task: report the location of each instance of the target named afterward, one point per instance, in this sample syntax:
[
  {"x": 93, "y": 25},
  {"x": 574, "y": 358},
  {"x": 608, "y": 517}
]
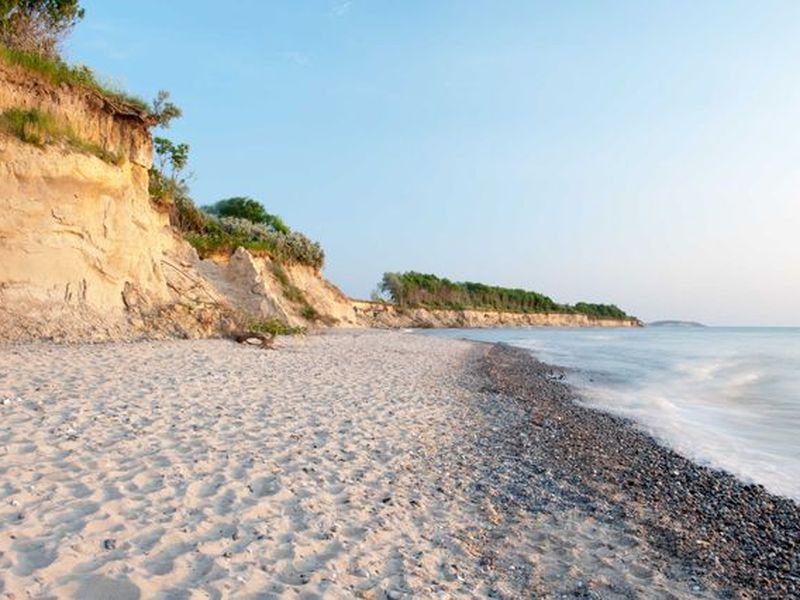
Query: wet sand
[{"x": 356, "y": 464}]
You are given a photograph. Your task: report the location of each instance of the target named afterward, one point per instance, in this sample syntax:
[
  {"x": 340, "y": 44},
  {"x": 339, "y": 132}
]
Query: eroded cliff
[
  {"x": 376, "y": 314},
  {"x": 85, "y": 255}
]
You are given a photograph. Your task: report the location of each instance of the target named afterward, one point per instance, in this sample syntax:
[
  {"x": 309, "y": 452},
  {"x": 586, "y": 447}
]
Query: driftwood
[{"x": 255, "y": 338}]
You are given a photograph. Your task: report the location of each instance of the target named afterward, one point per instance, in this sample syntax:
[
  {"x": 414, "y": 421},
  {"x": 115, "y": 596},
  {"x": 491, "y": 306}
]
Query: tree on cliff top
[{"x": 37, "y": 26}]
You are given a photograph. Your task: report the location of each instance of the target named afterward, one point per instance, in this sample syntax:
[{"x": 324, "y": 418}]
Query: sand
[{"x": 356, "y": 464}]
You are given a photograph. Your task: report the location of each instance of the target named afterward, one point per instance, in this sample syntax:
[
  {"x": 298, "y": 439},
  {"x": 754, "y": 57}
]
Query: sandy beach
[{"x": 356, "y": 464}]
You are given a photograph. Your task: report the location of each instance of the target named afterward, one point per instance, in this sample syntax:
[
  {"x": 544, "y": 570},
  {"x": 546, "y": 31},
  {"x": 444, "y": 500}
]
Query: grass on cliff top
[
  {"x": 58, "y": 72},
  {"x": 40, "y": 128}
]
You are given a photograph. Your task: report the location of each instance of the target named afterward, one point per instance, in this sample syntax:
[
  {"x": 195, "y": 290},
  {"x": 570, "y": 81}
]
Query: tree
[
  {"x": 37, "y": 26},
  {"x": 166, "y": 182},
  {"x": 163, "y": 111},
  {"x": 247, "y": 208},
  {"x": 392, "y": 286},
  {"x": 171, "y": 156}
]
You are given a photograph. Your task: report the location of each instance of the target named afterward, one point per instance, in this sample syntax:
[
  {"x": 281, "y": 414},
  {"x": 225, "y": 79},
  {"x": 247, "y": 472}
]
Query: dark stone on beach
[{"x": 109, "y": 544}]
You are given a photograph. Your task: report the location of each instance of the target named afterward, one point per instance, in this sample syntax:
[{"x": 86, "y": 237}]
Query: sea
[{"x": 726, "y": 397}]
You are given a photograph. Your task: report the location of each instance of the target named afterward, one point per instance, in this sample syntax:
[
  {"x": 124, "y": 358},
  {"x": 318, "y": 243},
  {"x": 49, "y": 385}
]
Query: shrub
[
  {"x": 242, "y": 207},
  {"x": 293, "y": 247},
  {"x": 275, "y": 327},
  {"x": 309, "y": 313}
]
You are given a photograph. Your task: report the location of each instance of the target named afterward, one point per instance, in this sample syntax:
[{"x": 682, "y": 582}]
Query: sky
[{"x": 641, "y": 153}]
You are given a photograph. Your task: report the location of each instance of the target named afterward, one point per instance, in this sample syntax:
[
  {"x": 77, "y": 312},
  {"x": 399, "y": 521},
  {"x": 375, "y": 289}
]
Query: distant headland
[{"x": 673, "y": 323}]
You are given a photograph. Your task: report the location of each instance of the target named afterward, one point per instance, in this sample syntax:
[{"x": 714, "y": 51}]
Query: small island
[{"x": 675, "y": 323}]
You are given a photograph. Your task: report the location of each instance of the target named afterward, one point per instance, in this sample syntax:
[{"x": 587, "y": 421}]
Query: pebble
[{"x": 740, "y": 535}]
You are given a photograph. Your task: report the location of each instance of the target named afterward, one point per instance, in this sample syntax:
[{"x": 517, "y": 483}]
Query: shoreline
[
  {"x": 738, "y": 535},
  {"x": 362, "y": 464}
]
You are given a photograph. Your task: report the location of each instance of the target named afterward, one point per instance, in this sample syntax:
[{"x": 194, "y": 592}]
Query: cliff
[
  {"x": 85, "y": 255},
  {"x": 376, "y": 314}
]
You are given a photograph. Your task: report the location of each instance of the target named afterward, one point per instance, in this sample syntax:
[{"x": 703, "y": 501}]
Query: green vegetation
[
  {"x": 166, "y": 184},
  {"x": 211, "y": 235},
  {"x": 309, "y": 313},
  {"x": 57, "y": 72},
  {"x": 37, "y": 26},
  {"x": 274, "y": 327},
  {"x": 242, "y": 207},
  {"x": 31, "y": 32},
  {"x": 413, "y": 289},
  {"x": 601, "y": 311},
  {"x": 41, "y": 128},
  {"x": 221, "y": 228}
]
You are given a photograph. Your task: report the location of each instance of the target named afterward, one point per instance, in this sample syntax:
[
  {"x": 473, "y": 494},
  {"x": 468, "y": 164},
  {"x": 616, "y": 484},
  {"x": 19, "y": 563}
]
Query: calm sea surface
[{"x": 725, "y": 397}]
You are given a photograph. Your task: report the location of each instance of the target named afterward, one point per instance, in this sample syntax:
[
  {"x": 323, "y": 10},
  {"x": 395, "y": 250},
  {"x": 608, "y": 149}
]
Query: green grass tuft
[
  {"x": 309, "y": 313},
  {"x": 58, "y": 72},
  {"x": 41, "y": 128}
]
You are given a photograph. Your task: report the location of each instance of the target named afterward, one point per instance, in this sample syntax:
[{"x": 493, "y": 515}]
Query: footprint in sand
[
  {"x": 212, "y": 487},
  {"x": 265, "y": 486},
  {"x": 147, "y": 541},
  {"x": 32, "y": 556},
  {"x": 164, "y": 562},
  {"x": 97, "y": 587},
  {"x": 224, "y": 503}
]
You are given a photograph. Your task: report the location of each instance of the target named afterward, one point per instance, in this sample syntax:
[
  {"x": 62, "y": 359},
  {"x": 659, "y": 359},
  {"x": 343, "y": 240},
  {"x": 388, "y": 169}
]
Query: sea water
[{"x": 725, "y": 397}]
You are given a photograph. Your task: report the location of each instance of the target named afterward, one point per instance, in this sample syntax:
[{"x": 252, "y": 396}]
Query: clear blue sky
[{"x": 642, "y": 153}]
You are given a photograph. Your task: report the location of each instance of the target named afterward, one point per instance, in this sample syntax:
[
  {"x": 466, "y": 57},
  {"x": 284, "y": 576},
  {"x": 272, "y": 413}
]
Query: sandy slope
[{"x": 337, "y": 466}]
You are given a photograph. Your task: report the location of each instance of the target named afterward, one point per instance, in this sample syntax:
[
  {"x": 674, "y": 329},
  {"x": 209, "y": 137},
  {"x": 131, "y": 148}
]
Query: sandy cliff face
[
  {"x": 114, "y": 127},
  {"x": 253, "y": 284},
  {"x": 77, "y": 234},
  {"x": 84, "y": 255},
  {"x": 383, "y": 315},
  {"x": 74, "y": 231}
]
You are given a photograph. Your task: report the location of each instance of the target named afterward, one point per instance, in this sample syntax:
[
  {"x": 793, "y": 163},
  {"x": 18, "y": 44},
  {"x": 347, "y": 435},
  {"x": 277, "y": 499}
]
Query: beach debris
[{"x": 255, "y": 338}]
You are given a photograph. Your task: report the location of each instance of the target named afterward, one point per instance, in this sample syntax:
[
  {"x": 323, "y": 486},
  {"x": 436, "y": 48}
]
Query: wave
[{"x": 727, "y": 398}]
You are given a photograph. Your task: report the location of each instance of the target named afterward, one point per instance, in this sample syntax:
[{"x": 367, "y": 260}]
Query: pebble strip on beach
[
  {"x": 738, "y": 538},
  {"x": 357, "y": 464}
]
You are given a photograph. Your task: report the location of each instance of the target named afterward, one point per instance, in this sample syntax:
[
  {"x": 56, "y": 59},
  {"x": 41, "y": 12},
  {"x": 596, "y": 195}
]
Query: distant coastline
[{"x": 674, "y": 323}]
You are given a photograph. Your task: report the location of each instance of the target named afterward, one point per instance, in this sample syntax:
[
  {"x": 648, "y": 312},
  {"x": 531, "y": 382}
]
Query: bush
[
  {"x": 211, "y": 234},
  {"x": 309, "y": 313},
  {"x": 242, "y": 207},
  {"x": 274, "y": 327},
  {"x": 293, "y": 247}
]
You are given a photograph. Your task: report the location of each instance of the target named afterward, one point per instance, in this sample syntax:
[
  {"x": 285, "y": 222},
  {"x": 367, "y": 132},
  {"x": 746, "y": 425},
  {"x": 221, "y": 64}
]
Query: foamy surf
[{"x": 725, "y": 397}]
